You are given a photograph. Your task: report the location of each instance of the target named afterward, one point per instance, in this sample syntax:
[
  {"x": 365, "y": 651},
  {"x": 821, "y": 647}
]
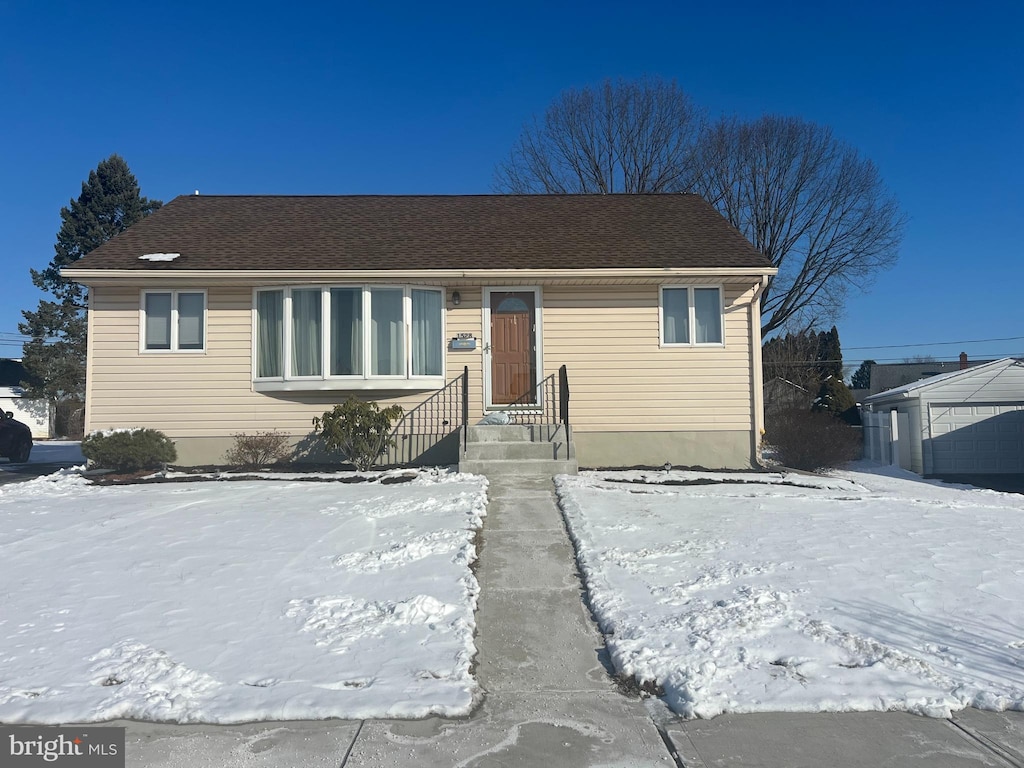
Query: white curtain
[
  {"x": 306, "y": 332},
  {"x": 707, "y": 309},
  {"x": 270, "y": 333},
  {"x": 426, "y": 333},
  {"x": 158, "y": 321},
  {"x": 387, "y": 337},
  {"x": 676, "y": 316},
  {"x": 346, "y": 331},
  {"x": 190, "y": 321}
]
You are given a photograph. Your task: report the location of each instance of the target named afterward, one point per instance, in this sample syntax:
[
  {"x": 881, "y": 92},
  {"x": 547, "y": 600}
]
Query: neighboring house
[
  {"x": 783, "y": 395},
  {"x": 970, "y": 421},
  {"x": 33, "y": 412},
  {"x": 885, "y": 376},
  {"x": 220, "y": 315}
]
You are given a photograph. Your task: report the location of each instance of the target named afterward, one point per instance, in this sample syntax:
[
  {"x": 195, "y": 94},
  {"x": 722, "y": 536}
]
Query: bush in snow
[
  {"x": 359, "y": 430},
  {"x": 129, "y": 450},
  {"x": 258, "y": 450},
  {"x": 811, "y": 440}
]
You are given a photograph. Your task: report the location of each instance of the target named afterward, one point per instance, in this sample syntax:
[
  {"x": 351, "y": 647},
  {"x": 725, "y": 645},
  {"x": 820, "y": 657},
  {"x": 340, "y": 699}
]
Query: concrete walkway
[{"x": 550, "y": 701}]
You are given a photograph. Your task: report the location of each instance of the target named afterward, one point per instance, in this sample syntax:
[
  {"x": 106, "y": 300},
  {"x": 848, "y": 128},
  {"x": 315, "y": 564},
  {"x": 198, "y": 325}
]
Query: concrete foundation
[
  {"x": 713, "y": 450},
  {"x": 410, "y": 450}
]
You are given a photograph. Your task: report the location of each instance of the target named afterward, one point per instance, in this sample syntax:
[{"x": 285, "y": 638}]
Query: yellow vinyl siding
[
  {"x": 620, "y": 377},
  {"x": 210, "y": 394}
]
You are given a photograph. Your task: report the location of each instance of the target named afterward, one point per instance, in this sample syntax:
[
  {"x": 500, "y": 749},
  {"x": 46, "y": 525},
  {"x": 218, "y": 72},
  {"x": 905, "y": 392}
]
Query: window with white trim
[
  {"x": 691, "y": 316},
  {"x": 349, "y": 333},
  {"x": 173, "y": 321}
]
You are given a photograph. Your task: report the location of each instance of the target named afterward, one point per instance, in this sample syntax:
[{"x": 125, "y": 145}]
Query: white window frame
[
  {"x": 143, "y": 349},
  {"x": 366, "y": 380},
  {"x": 691, "y": 318}
]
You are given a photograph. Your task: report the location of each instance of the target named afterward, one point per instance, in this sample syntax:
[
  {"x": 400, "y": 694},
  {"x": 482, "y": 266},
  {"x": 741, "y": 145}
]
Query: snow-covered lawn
[
  {"x": 224, "y": 602},
  {"x": 868, "y": 590}
]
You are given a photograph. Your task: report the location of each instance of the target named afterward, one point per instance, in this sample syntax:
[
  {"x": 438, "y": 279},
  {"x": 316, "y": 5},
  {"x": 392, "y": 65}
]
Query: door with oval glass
[{"x": 513, "y": 346}]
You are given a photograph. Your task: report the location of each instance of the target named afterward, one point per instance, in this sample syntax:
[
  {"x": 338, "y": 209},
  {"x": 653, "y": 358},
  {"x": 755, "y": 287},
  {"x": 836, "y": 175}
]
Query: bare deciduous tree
[
  {"x": 623, "y": 136},
  {"x": 808, "y": 202},
  {"x": 805, "y": 199}
]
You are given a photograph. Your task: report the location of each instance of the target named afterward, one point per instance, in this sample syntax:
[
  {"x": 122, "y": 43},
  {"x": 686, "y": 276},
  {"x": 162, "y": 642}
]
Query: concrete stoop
[{"x": 519, "y": 449}]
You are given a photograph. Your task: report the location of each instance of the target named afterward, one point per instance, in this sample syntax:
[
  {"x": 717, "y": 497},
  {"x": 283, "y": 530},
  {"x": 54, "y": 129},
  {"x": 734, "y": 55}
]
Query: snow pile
[
  {"x": 234, "y": 602},
  {"x": 115, "y": 431},
  {"x": 851, "y": 593}
]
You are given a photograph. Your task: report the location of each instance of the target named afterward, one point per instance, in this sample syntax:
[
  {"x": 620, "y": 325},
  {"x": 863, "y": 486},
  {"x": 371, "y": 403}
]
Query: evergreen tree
[
  {"x": 829, "y": 355},
  {"x": 792, "y": 357},
  {"x": 54, "y": 358},
  {"x": 814, "y": 361},
  {"x": 862, "y": 377},
  {"x": 836, "y": 398}
]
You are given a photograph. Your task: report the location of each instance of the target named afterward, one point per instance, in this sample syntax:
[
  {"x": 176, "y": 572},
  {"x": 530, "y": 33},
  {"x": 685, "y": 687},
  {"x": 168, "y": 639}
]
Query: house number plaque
[{"x": 463, "y": 341}]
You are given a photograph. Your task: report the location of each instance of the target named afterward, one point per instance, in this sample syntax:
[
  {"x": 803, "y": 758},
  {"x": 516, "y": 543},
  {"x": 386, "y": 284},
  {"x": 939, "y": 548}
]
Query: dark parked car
[{"x": 15, "y": 438}]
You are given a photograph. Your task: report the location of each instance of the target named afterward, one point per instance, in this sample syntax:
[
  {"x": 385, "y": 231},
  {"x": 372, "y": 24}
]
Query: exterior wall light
[{"x": 456, "y": 298}]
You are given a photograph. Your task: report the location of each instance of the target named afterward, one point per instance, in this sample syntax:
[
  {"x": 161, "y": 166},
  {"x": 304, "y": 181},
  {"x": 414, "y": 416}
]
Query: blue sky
[{"x": 346, "y": 98}]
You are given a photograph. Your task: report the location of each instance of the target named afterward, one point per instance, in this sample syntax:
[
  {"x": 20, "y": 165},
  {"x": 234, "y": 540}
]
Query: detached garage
[{"x": 965, "y": 422}]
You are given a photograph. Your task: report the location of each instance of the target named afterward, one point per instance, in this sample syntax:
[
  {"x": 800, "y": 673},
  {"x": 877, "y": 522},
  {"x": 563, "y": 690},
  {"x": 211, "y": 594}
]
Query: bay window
[
  {"x": 387, "y": 337},
  {"x": 342, "y": 336},
  {"x": 346, "y": 332}
]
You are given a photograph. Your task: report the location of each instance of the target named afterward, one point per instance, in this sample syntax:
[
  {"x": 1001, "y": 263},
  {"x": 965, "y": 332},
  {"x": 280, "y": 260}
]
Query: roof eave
[{"x": 101, "y": 276}]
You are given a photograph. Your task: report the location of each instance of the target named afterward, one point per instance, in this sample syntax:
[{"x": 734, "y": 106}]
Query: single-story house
[
  {"x": 220, "y": 315},
  {"x": 968, "y": 421},
  {"x": 31, "y": 411}
]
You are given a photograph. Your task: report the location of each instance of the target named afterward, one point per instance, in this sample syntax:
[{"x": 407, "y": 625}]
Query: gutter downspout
[
  {"x": 756, "y": 372},
  {"x": 90, "y": 356}
]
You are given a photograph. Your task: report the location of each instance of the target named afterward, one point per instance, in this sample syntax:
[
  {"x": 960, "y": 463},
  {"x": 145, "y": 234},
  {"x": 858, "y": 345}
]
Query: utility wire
[
  {"x": 936, "y": 343},
  {"x": 992, "y": 356}
]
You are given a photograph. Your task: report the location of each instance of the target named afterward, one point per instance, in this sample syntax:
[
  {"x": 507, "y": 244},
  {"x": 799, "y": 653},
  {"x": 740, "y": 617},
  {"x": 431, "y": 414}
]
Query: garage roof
[{"x": 933, "y": 381}]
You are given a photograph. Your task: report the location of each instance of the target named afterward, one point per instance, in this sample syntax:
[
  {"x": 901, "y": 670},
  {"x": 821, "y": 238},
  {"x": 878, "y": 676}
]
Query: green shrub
[
  {"x": 129, "y": 450},
  {"x": 811, "y": 440},
  {"x": 258, "y": 450},
  {"x": 358, "y": 429},
  {"x": 835, "y": 397}
]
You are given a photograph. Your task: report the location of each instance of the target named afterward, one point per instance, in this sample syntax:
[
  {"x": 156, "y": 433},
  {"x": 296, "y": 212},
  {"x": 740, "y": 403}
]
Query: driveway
[
  {"x": 47, "y": 457},
  {"x": 18, "y": 473},
  {"x": 1009, "y": 483}
]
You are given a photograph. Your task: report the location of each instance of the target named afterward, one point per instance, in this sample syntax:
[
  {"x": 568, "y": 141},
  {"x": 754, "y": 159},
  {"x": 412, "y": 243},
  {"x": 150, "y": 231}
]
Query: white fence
[{"x": 887, "y": 437}]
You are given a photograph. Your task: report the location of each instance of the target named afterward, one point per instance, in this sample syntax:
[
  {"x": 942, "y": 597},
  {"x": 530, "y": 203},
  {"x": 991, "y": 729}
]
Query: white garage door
[{"x": 983, "y": 439}]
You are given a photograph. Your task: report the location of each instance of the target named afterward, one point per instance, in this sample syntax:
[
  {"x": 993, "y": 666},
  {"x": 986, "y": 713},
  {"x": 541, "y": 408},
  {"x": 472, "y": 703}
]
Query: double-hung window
[
  {"x": 691, "y": 316},
  {"x": 173, "y": 321},
  {"x": 345, "y": 336}
]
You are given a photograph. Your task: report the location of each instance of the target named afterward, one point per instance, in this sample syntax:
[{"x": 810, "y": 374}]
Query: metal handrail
[
  {"x": 444, "y": 412},
  {"x": 548, "y": 400},
  {"x": 563, "y": 396}
]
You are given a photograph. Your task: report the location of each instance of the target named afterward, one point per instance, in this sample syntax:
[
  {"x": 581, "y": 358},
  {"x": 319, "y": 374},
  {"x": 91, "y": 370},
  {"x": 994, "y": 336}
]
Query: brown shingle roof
[{"x": 439, "y": 232}]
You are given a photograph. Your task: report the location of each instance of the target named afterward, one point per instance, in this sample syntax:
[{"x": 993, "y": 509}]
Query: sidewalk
[{"x": 550, "y": 701}]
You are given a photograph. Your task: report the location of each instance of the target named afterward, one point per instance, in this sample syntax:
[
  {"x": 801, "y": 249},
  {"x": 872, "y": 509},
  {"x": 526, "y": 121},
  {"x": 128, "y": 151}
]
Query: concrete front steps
[{"x": 519, "y": 449}]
